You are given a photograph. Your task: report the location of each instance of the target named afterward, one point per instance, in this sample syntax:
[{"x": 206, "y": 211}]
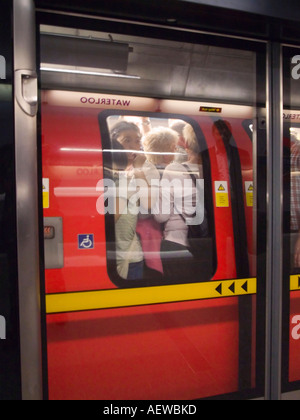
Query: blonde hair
[
  {"x": 191, "y": 139},
  {"x": 159, "y": 140}
]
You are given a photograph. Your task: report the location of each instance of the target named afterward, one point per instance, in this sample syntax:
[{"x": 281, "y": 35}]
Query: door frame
[
  {"x": 29, "y": 217},
  {"x": 28, "y": 199}
]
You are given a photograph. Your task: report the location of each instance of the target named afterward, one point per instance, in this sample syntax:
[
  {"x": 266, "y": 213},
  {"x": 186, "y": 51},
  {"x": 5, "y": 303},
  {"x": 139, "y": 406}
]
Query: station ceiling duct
[{"x": 92, "y": 53}]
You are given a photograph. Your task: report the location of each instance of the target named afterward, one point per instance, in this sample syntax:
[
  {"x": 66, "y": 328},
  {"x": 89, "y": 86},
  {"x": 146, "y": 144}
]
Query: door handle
[{"x": 27, "y": 91}]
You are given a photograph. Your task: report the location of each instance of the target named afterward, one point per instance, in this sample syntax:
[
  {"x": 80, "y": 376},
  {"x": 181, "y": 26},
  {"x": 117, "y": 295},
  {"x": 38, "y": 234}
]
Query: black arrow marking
[
  {"x": 298, "y": 282},
  {"x": 219, "y": 289},
  {"x": 232, "y": 287},
  {"x": 245, "y": 286}
]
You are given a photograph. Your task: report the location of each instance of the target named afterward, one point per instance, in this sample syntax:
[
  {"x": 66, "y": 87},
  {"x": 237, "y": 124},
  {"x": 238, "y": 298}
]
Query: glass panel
[
  {"x": 154, "y": 169},
  {"x": 151, "y": 202},
  {"x": 291, "y": 144}
]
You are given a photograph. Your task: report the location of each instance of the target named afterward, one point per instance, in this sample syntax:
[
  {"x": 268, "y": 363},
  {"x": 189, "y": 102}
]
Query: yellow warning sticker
[
  {"x": 294, "y": 282},
  {"x": 46, "y": 193},
  {"x": 222, "y": 196},
  {"x": 249, "y": 189}
]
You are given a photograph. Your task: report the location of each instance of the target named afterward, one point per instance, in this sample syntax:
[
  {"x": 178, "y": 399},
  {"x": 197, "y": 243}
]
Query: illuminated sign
[{"x": 210, "y": 109}]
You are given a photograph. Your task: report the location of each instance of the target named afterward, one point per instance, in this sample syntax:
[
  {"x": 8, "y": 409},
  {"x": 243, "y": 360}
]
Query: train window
[{"x": 160, "y": 224}]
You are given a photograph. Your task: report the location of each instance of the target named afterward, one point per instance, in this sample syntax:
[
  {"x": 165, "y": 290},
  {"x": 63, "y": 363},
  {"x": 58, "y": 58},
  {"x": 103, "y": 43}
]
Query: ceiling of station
[{"x": 97, "y": 61}]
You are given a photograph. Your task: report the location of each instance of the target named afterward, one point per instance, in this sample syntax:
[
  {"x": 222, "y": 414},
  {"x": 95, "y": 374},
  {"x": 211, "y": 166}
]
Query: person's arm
[
  {"x": 121, "y": 204},
  {"x": 144, "y": 190},
  {"x": 164, "y": 206}
]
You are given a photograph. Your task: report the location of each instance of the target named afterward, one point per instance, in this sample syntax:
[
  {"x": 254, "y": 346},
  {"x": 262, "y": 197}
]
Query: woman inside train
[
  {"x": 178, "y": 261},
  {"x": 129, "y": 136},
  {"x": 160, "y": 150},
  {"x": 178, "y": 126},
  {"x": 135, "y": 232},
  {"x": 129, "y": 253}
]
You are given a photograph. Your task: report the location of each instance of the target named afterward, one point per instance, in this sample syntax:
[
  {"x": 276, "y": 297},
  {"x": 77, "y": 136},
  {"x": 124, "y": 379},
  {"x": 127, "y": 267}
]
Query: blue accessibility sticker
[{"x": 86, "y": 241}]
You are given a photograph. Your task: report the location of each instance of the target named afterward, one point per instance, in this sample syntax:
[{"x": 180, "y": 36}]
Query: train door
[
  {"x": 9, "y": 346},
  {"x": 154, "y": 196},
  {"x": 291, "y": 270}
]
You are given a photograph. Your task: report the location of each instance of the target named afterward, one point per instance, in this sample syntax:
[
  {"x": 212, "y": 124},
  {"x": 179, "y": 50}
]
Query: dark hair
[
  {"x": 114, "y": 161},
  {"x": 224, "y": 129},
  {"x": 121, "y": 126}
]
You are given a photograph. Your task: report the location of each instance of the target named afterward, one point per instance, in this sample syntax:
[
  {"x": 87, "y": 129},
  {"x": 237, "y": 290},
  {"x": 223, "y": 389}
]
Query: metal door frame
[{"x": 27, "y": 196}]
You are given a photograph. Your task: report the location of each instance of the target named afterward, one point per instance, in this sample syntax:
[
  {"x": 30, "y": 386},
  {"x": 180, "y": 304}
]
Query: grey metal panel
[
  {"x": 165, "y": 68},
  {"x": 291, "y": 396},
  {"x": 54, "y": 247},
  {"x": 27, "y": 199},
  {"x": 289, "y": 9},
  {"x": 95, "y": 53},
  {"x": 170, "y": 9}
]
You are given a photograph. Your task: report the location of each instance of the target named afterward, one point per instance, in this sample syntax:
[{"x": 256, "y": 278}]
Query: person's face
[{"x": 130, "y": 140}]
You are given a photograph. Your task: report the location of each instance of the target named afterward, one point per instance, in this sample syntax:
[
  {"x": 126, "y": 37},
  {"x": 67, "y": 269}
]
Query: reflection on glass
[
  {"x": 161, "y": 229},
  {"x": 291, "y": 225}
]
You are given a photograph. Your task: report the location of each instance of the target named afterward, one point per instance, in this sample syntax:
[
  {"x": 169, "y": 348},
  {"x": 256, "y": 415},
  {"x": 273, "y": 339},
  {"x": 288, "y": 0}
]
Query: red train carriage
[{"x": 141, "y": 350}]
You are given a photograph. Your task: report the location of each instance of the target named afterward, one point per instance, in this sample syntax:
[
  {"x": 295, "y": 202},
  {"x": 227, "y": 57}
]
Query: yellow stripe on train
[{"x": 119, "y": 298}]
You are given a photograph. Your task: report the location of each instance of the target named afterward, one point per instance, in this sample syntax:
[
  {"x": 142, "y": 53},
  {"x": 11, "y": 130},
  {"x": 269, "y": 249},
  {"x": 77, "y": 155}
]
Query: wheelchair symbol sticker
[{"x": 86, "y": 241}]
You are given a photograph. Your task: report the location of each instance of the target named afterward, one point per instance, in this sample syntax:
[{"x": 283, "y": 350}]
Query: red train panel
[{"x": 178, "y": 350}]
